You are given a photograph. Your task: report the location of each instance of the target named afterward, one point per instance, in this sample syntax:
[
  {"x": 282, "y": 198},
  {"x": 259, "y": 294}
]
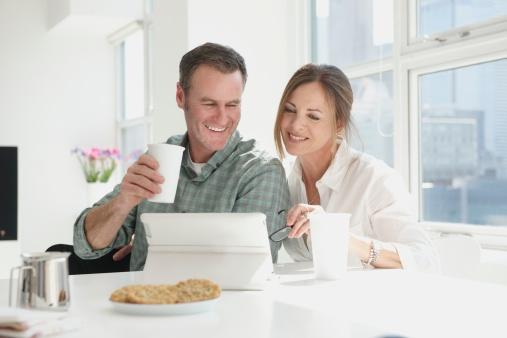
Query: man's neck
[{"x": 199, "y": 157}]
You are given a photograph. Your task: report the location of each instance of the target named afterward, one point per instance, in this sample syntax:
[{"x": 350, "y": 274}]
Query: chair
[
  {"x": 459, "y": 254},
  {"x": 104, "y": 264}
]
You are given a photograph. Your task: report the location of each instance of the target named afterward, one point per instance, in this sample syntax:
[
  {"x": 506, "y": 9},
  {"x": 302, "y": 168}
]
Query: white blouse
[{"x": 381, "y": 208}]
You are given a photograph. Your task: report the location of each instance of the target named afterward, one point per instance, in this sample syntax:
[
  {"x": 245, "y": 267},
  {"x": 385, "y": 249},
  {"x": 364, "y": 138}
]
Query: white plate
[{"x": 165, "y": 309}]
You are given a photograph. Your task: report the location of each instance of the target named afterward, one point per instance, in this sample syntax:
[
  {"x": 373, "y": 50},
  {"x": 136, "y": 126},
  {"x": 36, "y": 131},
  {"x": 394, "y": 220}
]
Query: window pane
[
  {"x": 134, "y": 76},
  {"x": 133, "y": 144},
  {"x": 464, "y": 144},
  {"x": 441, "y": 15},
  {"x": 348, "y": 32},
  {"x": 372, "y": 114}
]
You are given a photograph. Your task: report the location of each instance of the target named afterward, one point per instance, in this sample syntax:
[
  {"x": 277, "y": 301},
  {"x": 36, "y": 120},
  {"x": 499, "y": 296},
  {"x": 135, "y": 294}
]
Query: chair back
[{"x": 459, "y": 254}]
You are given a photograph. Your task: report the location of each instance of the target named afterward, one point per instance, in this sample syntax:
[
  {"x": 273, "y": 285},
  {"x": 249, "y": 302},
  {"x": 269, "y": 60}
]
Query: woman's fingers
[
  {"x": 297, "y": 218},
  {"x": 304, "y": 229},
  {"x": 296, "y": 211},
  {"x": 300, "y": 226}
]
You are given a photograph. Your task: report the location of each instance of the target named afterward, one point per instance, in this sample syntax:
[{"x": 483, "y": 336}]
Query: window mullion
[
  {"x": 134, "y": 122},
  {"x": 120, "y": 89},
  {"x": 369, "y": 68},
  {"x": 414, "y": 140},
  {"x": 400, "y": 94},
  {"x": 458, "y": 52},
  {"x": 434, "y": 62},
  {"x": 456, "y": 35},
  {"x": 407, "y": 16}
]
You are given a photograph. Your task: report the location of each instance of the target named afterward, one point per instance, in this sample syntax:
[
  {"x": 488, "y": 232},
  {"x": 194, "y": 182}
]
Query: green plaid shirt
[{"x": 238, "y": 178}]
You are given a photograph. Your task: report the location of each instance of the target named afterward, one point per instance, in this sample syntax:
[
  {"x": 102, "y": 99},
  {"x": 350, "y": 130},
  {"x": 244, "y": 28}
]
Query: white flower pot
[{"x": 95, "y": 191}]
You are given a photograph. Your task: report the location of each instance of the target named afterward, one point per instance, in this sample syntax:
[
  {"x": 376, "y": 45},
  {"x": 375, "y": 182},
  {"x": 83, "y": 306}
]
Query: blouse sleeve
[{"x": 393, "y": 222}]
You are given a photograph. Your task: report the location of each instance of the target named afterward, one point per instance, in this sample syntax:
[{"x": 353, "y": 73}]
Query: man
[{"x": 220, "y": 172}]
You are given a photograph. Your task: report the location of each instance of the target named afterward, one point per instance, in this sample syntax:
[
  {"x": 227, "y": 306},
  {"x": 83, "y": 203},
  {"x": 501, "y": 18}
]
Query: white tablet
[{"x": 231, "y": 249}]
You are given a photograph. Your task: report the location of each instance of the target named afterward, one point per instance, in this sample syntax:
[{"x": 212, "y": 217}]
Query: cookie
[
  {"x": 153, "y": 294},
  {"x": 120, "y": 295},
  {"x": 191, "y": 290}
]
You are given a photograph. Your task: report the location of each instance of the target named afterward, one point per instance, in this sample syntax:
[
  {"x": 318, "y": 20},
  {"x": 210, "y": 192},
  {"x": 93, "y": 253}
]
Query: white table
[{"x": 371, "y": 303}]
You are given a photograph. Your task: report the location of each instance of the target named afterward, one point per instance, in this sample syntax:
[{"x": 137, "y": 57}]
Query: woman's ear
[
  {"x": 341, "y": 131},
  {"x": 339, "y": 128}
]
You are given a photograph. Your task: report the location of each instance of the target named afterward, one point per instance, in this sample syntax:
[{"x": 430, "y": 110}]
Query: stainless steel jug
[{"x": 43, "y": 281}]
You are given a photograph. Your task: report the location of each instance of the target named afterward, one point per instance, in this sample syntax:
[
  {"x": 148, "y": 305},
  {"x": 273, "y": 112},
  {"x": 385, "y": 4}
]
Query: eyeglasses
[{"x": 280, "y": 234}]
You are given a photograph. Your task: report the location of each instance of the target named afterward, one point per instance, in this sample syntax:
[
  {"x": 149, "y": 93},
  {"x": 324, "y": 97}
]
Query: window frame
[
  {"x": 413, "y": 43},
  {"x": 117, "y": 39},
  {"x": 487, "y": 51},
  {"x": 412, "y": 58}
]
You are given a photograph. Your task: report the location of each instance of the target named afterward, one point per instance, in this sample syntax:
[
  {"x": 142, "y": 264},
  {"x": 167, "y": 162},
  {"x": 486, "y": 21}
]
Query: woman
[{"x": 313, "y": 122}]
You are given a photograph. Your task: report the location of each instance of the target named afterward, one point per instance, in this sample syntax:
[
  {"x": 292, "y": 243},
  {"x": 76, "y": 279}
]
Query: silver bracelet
[{"x": 374, "y": 252}]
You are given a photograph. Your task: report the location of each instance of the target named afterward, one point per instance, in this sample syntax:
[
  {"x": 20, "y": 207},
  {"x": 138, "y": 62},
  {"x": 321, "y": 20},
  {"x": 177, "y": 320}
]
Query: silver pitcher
[{"x": 43, "y": 281}]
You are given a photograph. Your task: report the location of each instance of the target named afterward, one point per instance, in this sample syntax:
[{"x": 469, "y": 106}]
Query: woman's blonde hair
[{"x": 338, "y": 91}]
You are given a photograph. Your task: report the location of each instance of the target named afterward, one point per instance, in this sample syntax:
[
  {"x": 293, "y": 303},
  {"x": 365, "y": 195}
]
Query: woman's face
[{"x": 307, "y": 122}]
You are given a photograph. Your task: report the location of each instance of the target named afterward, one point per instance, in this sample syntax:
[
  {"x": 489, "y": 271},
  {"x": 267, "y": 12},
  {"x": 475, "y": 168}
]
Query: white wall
[
  {"x": 267, "y": 33},
  {"x": 169, "y": 42},
  {"x": 56, "y": 92}
]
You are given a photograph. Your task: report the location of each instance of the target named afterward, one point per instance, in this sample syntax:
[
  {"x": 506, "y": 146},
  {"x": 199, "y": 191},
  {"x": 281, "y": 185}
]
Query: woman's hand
[{"x": 297, "y": 218}]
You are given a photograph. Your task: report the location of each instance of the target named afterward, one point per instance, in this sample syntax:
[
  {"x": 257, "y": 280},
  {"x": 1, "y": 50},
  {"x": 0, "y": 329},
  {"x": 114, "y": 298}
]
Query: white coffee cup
[
  {"x": 330, "y": 241},
  {"x": 169, "y": 158}
]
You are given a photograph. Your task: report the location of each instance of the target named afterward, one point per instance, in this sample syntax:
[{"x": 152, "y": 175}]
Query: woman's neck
[{"x": 314, "y": 165}]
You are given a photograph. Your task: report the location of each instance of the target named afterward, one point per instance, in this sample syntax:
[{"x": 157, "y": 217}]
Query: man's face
[{"x": 212, "y": 107}]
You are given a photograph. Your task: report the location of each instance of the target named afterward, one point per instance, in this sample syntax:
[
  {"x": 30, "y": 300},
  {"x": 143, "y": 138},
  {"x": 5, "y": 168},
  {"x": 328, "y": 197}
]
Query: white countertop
[{"x": 371, "y": 303}]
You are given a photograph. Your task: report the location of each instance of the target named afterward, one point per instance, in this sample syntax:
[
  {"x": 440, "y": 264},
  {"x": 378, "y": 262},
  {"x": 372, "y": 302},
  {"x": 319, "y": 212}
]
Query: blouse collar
[{"x": 336, "y": 170}]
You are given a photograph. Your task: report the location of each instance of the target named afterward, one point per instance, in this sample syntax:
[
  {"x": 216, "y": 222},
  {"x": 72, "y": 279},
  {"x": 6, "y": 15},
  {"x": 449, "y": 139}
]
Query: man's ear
[{"x": 180, "y": 96}]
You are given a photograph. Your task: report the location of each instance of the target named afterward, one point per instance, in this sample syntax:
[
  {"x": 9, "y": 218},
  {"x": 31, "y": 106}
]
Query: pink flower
[
  {"x": 94, "y": 153},
  {"x": 115, "y": 152},
  {"x": 97, "y": 164}
]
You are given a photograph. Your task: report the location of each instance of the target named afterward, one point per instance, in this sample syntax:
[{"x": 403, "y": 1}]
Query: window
[
  {"x": 134, "y": 124},
  {"x": 352, "y": 32},
  {"x": 372, "y": 113},
  {"x": 430, "y": 99},
  {"x": 464, "y": 144},
  {"x": 132, "y": 54}
]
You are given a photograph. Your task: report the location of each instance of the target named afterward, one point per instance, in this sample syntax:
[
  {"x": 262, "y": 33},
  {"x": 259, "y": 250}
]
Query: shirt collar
[{"x": 213, "y": 163}]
